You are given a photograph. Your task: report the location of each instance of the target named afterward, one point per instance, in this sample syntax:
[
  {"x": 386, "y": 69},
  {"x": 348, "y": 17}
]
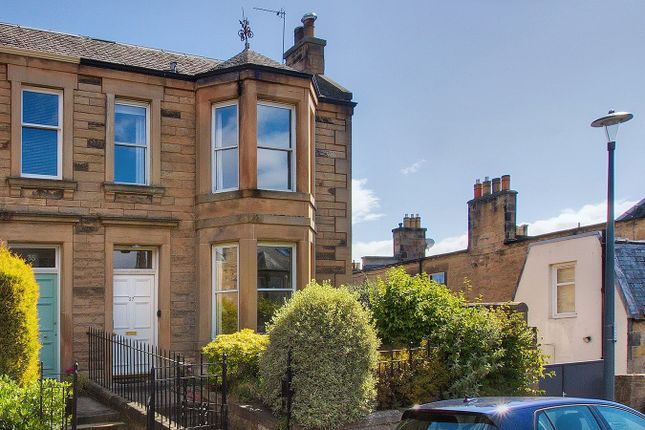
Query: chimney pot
[
  {"x": 308, "y": 24},
  {"x": 496, "y": 185},
  {"x": 486, "y": 186},
  {"x": 506, "y": 182},
  {"x": 477, "y": 189},
  {"x": 298, "y": 34}
]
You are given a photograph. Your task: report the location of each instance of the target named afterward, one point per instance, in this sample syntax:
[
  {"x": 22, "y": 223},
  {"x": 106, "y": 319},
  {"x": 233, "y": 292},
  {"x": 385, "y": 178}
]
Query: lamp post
[{"x": 610, "y": 122}]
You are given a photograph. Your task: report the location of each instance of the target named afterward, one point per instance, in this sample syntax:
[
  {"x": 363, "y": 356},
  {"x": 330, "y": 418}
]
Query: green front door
[{"x": 48, "y": 323}]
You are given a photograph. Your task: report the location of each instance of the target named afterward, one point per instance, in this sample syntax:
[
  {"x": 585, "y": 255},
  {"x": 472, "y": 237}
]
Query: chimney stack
[
  {"x": 492, "y": 214},
  {"x": 409, "y": 238},
  {"x": 308, "y": 51}
]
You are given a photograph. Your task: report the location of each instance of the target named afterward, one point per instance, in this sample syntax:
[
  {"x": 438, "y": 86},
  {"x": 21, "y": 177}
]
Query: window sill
[
  {"x": 258, "y": 194},
  {"x": 567, "y": 315},
  {"x": 41, "y": 188},
  {"x": 133, "y": 193}
]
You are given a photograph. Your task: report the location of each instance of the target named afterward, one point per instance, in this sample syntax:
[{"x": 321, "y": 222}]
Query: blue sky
[{"x": 447, "y": 92}]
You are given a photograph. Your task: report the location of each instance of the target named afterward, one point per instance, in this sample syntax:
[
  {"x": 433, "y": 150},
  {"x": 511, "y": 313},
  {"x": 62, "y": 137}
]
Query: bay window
[
  {"x": 276, "y": 280},
  {"x": 225, "y": 147},
  {"x": 276, "y": 146},
  {"x": 41, "y": 134},
  {"x": 225, "y": 290},
  {"x": 131, "y": 143}
]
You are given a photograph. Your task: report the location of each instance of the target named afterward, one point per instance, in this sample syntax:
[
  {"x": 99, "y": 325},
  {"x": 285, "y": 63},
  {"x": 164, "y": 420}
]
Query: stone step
[
  {"x": 114, "y": 425},
  {"x": 91, "y": 411}
]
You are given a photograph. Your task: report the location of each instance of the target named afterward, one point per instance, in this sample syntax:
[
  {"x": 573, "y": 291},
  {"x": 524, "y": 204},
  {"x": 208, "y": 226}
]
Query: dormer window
[
  {"x": 276, "y": 146},
  {"x": 225, "y": 147}
]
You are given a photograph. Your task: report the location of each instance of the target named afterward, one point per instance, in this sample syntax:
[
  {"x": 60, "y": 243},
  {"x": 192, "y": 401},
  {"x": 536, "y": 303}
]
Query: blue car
[{"x": 522, "y": 413}]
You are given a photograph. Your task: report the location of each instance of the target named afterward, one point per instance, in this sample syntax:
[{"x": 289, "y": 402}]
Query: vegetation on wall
[
  {"x": 483, "y": 351},
  {"x": 19, "y": 344},
  {"x": 334, "y": 351}
]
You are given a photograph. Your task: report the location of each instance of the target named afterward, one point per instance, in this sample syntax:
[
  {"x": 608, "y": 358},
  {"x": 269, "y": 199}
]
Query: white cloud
[
  {"x": 413, "y": 168},
  {"x": 365, "y": 204},
  {"x": 569, "y": 218},
  {"x": 449, "y": 244},
  {"x": 375, "y": 247}
]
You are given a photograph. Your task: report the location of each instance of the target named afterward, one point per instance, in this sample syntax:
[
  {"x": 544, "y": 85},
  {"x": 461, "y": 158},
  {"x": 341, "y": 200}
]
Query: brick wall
[{"x": 636, "y": 347}]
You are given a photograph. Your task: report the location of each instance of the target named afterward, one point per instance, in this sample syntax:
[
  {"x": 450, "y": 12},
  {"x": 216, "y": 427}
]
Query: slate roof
[
  {"x": 72, "y": 45},
  {"x": 635, "y": 212},
  {"x": 105, "y": 53},
  {"x": 248, "y": 56},
  {"x": 630, "y": 276}
]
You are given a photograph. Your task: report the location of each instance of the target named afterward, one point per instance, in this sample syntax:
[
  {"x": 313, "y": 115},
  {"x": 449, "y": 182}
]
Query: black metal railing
[
  {"x": 57, "y": 403},
  {"x": 392, "y": 371},
  {"x": 171, "y": 390}
]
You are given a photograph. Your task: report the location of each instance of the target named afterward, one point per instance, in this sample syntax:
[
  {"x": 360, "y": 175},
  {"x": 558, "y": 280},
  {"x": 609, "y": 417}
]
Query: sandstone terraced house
[{"x": 169, "y": 197}]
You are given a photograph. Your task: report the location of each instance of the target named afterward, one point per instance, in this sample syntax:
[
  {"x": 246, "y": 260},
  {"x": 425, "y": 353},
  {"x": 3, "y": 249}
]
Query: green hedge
[
  {"x": 484, "y": 351},
  {"x": 20, "y": 405},
  {"x": 334, "y": 353},
  {"x": 19, "y": 344}
]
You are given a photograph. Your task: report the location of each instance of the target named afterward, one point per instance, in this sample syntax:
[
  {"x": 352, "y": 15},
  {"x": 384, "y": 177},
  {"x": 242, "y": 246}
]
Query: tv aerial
[{"x": 282, "y": 14}]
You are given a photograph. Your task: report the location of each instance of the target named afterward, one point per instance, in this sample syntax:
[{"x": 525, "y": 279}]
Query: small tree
[
  {"x": 19, "y": 343},
  {"x": 334, "y": 353}
]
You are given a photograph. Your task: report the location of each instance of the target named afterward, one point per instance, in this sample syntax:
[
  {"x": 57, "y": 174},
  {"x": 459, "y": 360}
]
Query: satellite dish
[{"x": 429, "y": 243}]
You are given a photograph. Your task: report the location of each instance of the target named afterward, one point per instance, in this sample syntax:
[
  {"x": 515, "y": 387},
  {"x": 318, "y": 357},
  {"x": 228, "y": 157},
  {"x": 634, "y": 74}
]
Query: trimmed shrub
[
  {"x": 20, "y": 405},
  {"x": 334, "y": 352},
  {"x": 19, "y": 344},
  {"x": 243, "y": 350}
]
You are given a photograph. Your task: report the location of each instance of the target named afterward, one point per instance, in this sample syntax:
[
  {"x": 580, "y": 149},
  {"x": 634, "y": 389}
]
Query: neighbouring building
[
  {"x": 169, "y": 197},
  {"x": 558, "y": 276}
]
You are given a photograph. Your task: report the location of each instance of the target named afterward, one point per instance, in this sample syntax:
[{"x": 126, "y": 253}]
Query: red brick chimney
[
  {"x": 492, "y": 214},
  {"x": 308, "y": 52}
]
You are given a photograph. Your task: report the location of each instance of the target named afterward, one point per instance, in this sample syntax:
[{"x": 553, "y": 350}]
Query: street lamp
[{"x": 610, "y": 122}]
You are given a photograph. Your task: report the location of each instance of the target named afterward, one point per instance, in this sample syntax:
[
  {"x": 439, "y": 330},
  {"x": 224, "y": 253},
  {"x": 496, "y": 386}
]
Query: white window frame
[
  {"x": 554, "y": 289},
  {"x": 293, "y": 269},
  {"x": 58, "y": 129},
  {"x": 214, "y": 149},
  {"x": 215, "y": 292},
  {"x": 292, "y": 150},
  {"x": 146, "y": 106}
]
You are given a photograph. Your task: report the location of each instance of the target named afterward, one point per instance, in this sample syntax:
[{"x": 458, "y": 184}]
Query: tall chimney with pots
[
  {"x": 409, "y": 238},
  {"x": 492, "y": 214},
  {"x": 308, "y": 51}
]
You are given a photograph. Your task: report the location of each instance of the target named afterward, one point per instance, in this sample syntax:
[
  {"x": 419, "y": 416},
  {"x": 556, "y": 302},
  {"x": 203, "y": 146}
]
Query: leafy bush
[
  {"x": 19, "y": 343},
  {"x": 334, "y": 354},
  {"x": 20, "y": 405},
  {"x": 484, "y": 351},
  {"x": 243, "y": 350},
  {"x": 410, "y": 376},
  {"x": 406, "y": 309}
]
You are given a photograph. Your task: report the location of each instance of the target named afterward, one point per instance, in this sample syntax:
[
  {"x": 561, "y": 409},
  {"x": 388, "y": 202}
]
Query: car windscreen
[{"x": 424, "y": 420}]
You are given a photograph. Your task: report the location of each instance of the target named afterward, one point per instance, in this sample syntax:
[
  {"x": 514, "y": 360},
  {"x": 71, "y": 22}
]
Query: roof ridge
[{"x": 96, "y": 39}]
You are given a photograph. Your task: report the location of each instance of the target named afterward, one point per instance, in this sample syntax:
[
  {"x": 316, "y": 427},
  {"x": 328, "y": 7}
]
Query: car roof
[{"x": 494, "y": 405}]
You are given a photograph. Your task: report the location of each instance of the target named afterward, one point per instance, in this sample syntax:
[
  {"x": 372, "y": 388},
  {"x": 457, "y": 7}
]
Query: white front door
[{"x": 134, "y": 307}]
